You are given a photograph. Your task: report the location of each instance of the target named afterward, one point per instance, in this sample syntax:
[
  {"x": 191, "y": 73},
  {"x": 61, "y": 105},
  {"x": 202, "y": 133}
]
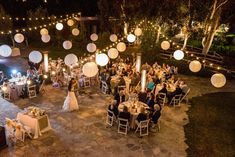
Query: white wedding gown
[{"x": 70, "y": 103}]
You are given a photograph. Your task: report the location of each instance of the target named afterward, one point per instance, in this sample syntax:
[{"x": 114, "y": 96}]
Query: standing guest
[
  {"x": 156, "y": 114},
  {"x": 122, "y": 96},
  {"x": 116, "y": 95},
  {"x": 150, "y": 101}
]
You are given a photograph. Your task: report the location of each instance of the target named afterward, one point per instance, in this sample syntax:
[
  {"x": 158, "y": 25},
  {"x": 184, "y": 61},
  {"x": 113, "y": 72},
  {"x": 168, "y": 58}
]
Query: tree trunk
[
  {"x": 158, "y": 34},
  {"x": 186, "y": 36}
]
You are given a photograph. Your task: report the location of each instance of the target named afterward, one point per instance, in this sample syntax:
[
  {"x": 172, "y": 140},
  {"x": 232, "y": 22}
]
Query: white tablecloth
[{"x": 34, "y": 123}]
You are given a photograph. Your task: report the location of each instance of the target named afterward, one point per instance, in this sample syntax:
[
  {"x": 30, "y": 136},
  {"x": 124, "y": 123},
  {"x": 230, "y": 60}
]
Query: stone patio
[{"x": 84, "y": 133}]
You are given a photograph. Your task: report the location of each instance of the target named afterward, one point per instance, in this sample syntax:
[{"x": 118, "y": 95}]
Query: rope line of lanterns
[
  {"x": 218, "y": 79},
  {"x": 8, "y": 18}
]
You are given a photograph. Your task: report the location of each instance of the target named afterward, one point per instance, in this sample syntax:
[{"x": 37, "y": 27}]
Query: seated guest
[
  {"x": 122, "y": 81},
  {"x": 122, "y": 96},
  {"x": 112, "y": 71},
  {"x": 156, "y": 114},
  {"x": 116, "y": 96},
  {"x": 177, "y": 91},
  {"x": 125, "y": 114},
  {"x": 150, "y": 101},
  {"x": 184, "y": 87},
  {"x": 142, "y": 97},
  {"x": 141, "y": 116},
  {"x": 113, "y": 107},
  {"x": 150, "y": 85},
  {"x": 163, "y": 90}
]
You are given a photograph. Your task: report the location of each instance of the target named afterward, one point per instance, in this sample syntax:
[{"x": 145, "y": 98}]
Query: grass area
[{"x": 211, "y": 129}]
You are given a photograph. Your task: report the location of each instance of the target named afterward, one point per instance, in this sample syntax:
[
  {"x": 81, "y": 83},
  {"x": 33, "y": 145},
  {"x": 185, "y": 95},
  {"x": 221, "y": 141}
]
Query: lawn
[{"x": 211, "y": 129}]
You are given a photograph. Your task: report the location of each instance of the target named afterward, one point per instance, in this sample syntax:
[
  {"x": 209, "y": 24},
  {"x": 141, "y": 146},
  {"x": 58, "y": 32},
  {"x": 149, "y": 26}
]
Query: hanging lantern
[
  {"x": 19, "y": 38},
  {"x": 70, "y": 59},
  {"x": 59, "y": 26},
  {"x": 102, "y": 59},
  {"x": 43, "y": 31},
  {"x": 218, "y": 80},
  {"x": 113, "y": 37},
  {"x": 67, "y": 45},
  {"x": 131, "y": 38},
  {"x": 90, "y": 69},
  {"x": 165, "y": 45},
  {"x": 35, "y": 56},
  {"x": 75, "y": 32},
  {"x": 46, "y": 38},
  {"x": 94, "y": 37},
  {"x": 121, "y": 47},
  {"x": 195, "y": 66},
  {"x": 178, "y": 55},
  {"x": 5, "y": 50},
  {"x": 138, "y": 32},
  {"x": 70, "y": 22},
  {"x": 91, "y": 47},
  {"x": 113, "y": 53}
]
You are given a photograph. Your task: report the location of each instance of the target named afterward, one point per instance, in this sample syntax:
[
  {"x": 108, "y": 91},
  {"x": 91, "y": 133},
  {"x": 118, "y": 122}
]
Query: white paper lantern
[
  {"x": 59, "y": 26},
  {"x": 70, "y": 22},
  {"x": 113, "y": 37},
  {"x": 67, "y": 45},
  {"x": 121, "y": 47},
  {"x": 19, "y": 38},
  {"x": 94, "y": 37},
  {"x": 131, "y": 38},
  {"x": 35, "y": 56},
  {"x": 43, "y": 31},
  {"x": 5, "y": 50},
  {"x": 90, "y": 69},
  {"x": 138, "y": 32},
  {"x": 46, "y": 38},
  {"x": 91, "y": 47},
  {"x": 113, "y": 53},
  {"x": 70, "y": 59},
  {"x": 178, "y": 55},
  {"x": 218, "y": 80},
  {"x": 165, "y": 45},
  {"x": 75, "y": 32},
  {"x": 102, "y": 59},
  {"x": 195, "y": 66}
]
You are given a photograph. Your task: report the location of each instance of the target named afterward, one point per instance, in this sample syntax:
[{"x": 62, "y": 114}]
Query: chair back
[
  {"x": 32, "y": 91},
  {"x": 144, "y": 123}
]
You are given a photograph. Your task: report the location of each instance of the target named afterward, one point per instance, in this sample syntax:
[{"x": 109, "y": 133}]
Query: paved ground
[{"x": 83, "y": 133}]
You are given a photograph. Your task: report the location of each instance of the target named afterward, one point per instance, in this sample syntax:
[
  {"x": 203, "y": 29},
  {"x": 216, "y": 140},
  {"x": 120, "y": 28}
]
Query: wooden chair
[
  {"x": 104, "y": 87},
  {"x": 32, "y": 91},
  {"x": 142, "y": 126},
  {"x": 162, "y": 98},
  {"x": 123, "y": 126},
  {"x": 110, "y": 118},
  {"x": 185, "y": 97},
  {"x": 87, "y": 82},
  {"x": 176, "y": 100}
]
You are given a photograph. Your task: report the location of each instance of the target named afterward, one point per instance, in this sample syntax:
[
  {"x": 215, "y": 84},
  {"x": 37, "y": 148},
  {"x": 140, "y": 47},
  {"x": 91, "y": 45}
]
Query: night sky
[{"x": 17, "y": 8}]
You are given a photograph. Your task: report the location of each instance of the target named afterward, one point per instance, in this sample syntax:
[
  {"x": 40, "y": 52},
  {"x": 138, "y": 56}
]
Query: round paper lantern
[
  {"x": 75, "y": 32},
  {"x": 121, "y": 47},
  {"x": 178, "y": 55},
  {"x": 218, "y": 80},
  {"x": 131, "y": 38},
  {"x": 67, "y": 45},
  {"x": 138, "y": 32},
  {"x": 70, "y": 22},
  {"x": 35, "y": 56},
  {"x": 90, "y": 69},
  {"x": 46, "y": 38},
  {"x": 113, "y": 37},
  {"x": 195, "y": 66},
  {"x": 113, "y": 53},
  {"x": 102, "y": 59},
  {"x": 91, "y": 47},
  {"x": 165, "y": 45},
  {"x": 70, "y": 59},
  {"x": 19, "y": 38},
  {"x": 59, "y": 26},
  {"x": 94, "y": 37},
  {"x": 43, "y": 31},
  {"x": 5, "y": 50}
]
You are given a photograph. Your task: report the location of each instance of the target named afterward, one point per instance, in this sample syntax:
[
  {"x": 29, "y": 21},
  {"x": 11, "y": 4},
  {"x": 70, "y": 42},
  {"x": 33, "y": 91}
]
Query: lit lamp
[
  {"x": 45, "y": 76},
  {"x": 138, "y": 62},
  {"x": 143, "y": 80},
  {"x": 53, "y": 72},
  {"x": 178, "y": 55},
  {"x": 218, "y": 80},
  {"x": 45, "y": 58},
  {"x": 28, "y": 82},
  {"x": 131, "y": 38},
  {"x": 63, "y": 69}
]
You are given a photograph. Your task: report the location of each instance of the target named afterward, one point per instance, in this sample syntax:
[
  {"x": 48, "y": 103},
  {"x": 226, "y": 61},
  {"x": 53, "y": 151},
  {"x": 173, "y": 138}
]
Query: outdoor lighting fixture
[
  {"x": 113, "y": 37},
  {"x": 44, "y": 31},
  {"x": 19, "y": 38},
  {"x": 35, "y": 56},
  {"x": 90, "y": 69},
  {"x": 63, "y": 69},
  {"x": 5, "y": 50},
  {"x": 121, "y": 46},
  {"x": 70, "y": 22},
  {"x": 165, "y": 45},
  {"x": 59, "y": 26},
  {"x": 53, "y": 72},
  {"x": 178, "y": 55},
  {"x": 131, "y": 38},
  {"x": 67, "y": 45},
  {"x": 14, "y": 71},
  {"x": 195, "y": 66},
  {"x": 45, "y": 76},
  {"x": 46, "y": 38},
  {"x": 28, "y": 82},
  {"x": 113, "y": 53},
  {"x": 138, "y": 32},
  {"x": 75, "y": 32},
  {"x": 94, "y": 37},
  {"x": 218, "y": 80},
  {"x": 91, "y": 47},
  {"x": 102, "y": 59},
  {"x": 70, "y": 59}
]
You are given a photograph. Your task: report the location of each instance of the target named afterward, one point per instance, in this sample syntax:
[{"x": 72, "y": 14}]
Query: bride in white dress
[{"x": 71, "y": 103}]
